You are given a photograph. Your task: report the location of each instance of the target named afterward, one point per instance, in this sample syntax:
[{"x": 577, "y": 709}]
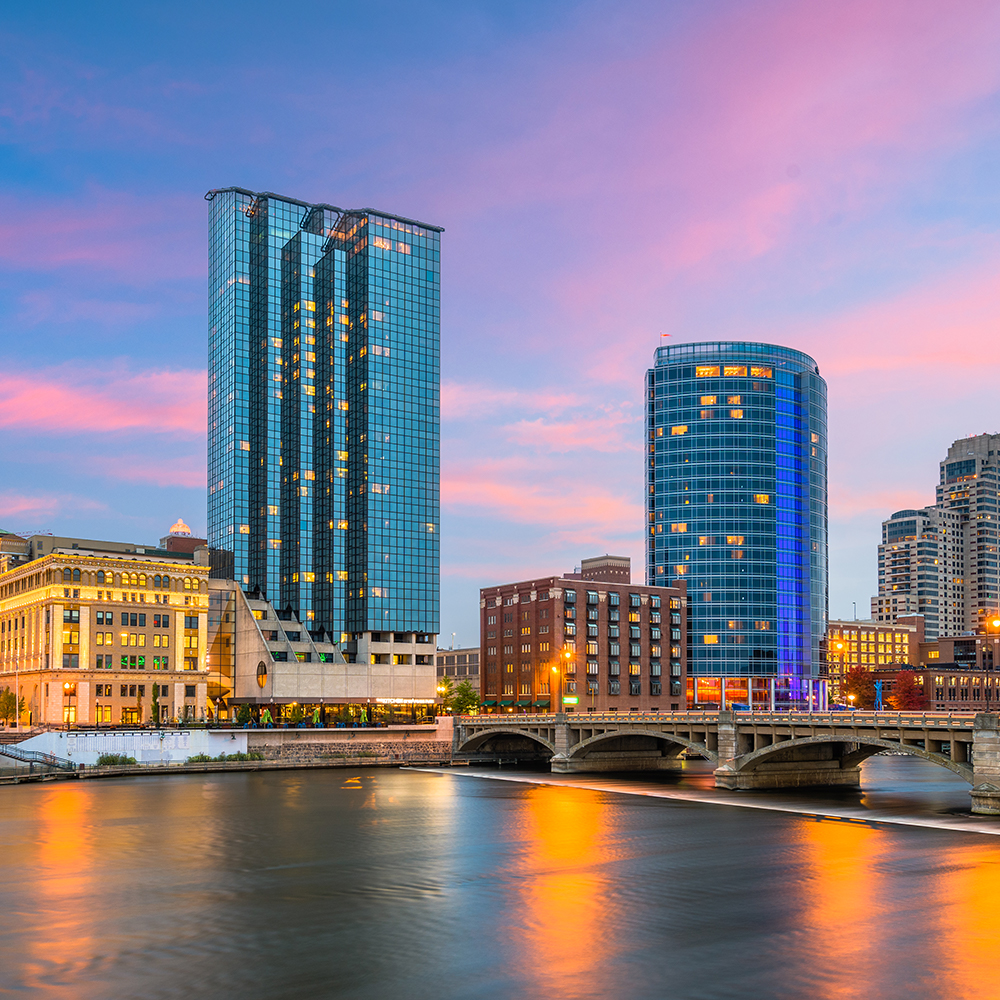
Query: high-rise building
[
  {"x": 941, "y": 561},
  {"x": 921, "y": 570},
  {"x": 324, "y": 419},
  {"x": 736, "y": 505},
  {"x": 967, "y": 484}
]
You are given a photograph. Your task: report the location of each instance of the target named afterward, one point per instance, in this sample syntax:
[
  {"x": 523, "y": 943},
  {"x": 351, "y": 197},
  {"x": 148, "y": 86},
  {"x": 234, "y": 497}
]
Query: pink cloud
[
  {"x": 610, "y": 433},
  {"x": 20, "y": 506},
  {"x": 461, "y": 400},
  {"x": 141, "y": 240},
  {"x": 183, "y": 470},
  {"x": 76, "y": 400}
]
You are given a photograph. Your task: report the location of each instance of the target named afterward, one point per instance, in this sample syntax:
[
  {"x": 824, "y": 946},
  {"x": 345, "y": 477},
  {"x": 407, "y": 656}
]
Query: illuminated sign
[
  {"x": 571, "y": 700},
  {"x": 405, "y": 701}
]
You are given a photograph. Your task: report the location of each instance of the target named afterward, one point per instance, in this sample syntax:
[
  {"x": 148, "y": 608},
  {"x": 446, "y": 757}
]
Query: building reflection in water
[{"x": 566, "y": 900}]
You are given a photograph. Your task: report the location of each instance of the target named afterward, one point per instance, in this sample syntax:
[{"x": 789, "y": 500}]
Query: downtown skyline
[{"x": 829, "y": 191}]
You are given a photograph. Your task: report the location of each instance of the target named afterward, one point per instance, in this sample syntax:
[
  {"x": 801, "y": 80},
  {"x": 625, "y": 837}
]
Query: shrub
[
  {"x": 201, "y": 758},
  {"x": 109, "y": 759}
]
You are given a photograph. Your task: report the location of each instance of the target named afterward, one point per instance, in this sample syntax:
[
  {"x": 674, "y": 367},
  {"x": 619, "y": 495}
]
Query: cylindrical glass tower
[{"x": 736, "y": 507}]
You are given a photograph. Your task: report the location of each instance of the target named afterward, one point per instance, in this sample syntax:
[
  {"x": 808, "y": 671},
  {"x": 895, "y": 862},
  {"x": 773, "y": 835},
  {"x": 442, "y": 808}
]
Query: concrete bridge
[{"x": 749, "y": 749}]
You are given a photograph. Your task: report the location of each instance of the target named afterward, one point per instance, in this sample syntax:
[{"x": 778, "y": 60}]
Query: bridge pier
[{"x": 985, "y": 791}]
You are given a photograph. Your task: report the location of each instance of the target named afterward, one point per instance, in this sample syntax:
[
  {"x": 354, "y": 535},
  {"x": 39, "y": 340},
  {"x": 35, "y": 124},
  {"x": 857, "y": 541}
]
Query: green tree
[
  {"x": 446, "y": 692},
  {"x": 8, "y": 710},
  {"x": 243, "y": 714},
  {"x": 465, "y": 700},
  {"x": 155, "y": 707},
  {"x": 296, "y": 715},
  {"x": 861, "y": 683},
  {"x": 907, "y": 694}
]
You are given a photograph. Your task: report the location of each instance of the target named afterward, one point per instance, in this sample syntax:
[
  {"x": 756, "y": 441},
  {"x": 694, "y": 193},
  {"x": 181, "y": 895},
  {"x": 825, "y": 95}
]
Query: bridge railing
[{"x": 855, "y": 718}]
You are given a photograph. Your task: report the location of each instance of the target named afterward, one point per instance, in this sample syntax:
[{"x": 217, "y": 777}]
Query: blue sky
[{"x": 818, "y": 175}]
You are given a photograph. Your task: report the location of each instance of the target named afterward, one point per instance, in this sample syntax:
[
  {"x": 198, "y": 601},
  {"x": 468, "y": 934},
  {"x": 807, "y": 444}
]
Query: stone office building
[
  {"x": 561, "y": 644},
  {"x": 459, "y": 665}
]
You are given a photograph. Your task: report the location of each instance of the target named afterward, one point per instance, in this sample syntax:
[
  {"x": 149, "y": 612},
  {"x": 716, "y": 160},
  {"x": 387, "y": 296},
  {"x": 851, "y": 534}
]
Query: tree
[
  {"x": 296, "y": 715},
  {"x": 446, "y": 692},
  {"x": 243, "y": 714},
  {"x": 465, "y": 700},
  {"x": 907, "y": 694},
  {"x": 8, "y": 710},
  {"x": 155, "y": 707},
  {"x": 861, "y": 683}
]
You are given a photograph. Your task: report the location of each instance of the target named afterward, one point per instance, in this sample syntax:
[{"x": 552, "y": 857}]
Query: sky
[{"x": 821, "y": 175}]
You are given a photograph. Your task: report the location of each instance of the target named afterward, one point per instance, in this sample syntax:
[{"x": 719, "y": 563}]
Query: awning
[
  {"x": 541, "y": 701},
  {"x": 523, "y": 701},
  {"x": 489, "y": 701},
  {"x": 506, "y": 703}
]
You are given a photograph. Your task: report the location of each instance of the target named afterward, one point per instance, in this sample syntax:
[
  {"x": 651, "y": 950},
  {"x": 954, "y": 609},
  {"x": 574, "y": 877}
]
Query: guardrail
[
  {"x": 36, "y": 757},
  {"x": 950, "y": 720}
]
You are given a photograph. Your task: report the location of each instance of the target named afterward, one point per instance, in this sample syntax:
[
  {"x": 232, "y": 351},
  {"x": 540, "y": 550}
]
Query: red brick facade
[{"x": 576, "y": 645}]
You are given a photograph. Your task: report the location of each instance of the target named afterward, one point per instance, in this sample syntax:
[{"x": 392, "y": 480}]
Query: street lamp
[
  {"x": 851, "y": 698},
  {"x": 558, "y": 688}
]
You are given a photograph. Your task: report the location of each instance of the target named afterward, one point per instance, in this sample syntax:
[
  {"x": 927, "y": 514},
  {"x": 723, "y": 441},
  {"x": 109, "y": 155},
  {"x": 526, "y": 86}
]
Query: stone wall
[{"x": 357, "y": 750}]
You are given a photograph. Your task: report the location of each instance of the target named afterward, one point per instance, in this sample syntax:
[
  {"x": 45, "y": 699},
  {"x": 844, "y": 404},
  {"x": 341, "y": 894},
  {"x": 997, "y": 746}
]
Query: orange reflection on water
[
  {"x": 969, "y": 908},
  {"x": 565, "y": 904},
  {"x": 62, "y": 939},
  {"x": 843, "y": 906}
]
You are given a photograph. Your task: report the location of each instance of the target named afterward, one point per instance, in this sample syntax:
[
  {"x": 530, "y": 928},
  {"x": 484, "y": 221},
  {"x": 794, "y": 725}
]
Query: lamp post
[
  {"x": 995, "y": 623},
  {"x": 851, "y": 698},
  {"x": 556, "y": 695}
]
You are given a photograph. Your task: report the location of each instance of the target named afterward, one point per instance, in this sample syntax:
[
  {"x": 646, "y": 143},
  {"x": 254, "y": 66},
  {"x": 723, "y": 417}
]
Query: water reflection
[{"x": 564, "y": 904}]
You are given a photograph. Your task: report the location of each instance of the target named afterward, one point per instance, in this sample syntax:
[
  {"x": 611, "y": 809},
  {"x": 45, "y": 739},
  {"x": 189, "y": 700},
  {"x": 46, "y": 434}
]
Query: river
[{"x": 393, "y": 884}]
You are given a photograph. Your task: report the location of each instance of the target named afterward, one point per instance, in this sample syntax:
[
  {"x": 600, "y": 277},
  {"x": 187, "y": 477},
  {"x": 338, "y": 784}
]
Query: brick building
[
  {"x": 564, "y": 644},
  {"x": 872, "y": 645}
]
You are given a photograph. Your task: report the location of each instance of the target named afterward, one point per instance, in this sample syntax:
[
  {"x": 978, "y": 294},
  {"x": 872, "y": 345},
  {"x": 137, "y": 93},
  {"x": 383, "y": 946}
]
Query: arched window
[
  {"x": 142, "y": 579},
  {"x": 100, "y": 576},
  {"x": 156, "y": 581},
  {"x": 187, "y": 583},
  {"x": 67, "y": 575},
  {"x": 76, "y": 576},
  {"x": 135, "y": 580},
  {"x": 166, "y": 583}
]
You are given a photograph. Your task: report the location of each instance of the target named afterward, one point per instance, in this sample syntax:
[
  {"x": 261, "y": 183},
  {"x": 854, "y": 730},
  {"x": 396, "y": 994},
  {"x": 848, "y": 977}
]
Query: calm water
[{"x": 389, "y": 884}]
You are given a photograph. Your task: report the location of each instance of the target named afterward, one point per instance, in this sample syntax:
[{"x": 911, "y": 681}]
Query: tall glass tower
[
  {"x": 736, "y": 506},
  {"x": 324, "y": 412}
]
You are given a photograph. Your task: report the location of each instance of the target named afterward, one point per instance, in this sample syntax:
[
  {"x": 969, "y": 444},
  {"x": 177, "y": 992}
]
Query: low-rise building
[
  {"x": 97, "y": 638},
  {"x": 871, "y": 645},
  {"x": 562, "y": 644},
  {"x": 459, "y": 665}
]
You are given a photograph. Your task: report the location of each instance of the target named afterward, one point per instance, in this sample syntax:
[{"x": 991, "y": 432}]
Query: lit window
[
  {"x": 711, "y": 640},
  {"x": 679, "y": 528},
  {"x": 762, "y": 626},
  {"x": 734, "y": 539},
  {"x": 734, "y": 400},
  {"x": 762, "y": 498},
  {"x": 737, "y": 553},
  {"x": 681, "y": 570},
  {"x": 734, "y": 370},
  {"x": 679, "y": 429},
  {"x": 706, "y": 540},
  {"x": 815, "y": 438},
  {"x": 709, "y": 400},
  {"x": 735, "y": 625},
  {"x": 244, "y": 529},
  {"x": 736, "y": 414},
  {"x": 707, "y": 414},
  {"x": 706, "y": 371},
  {"x": 933, "y": 654},
  {"x": 308, "y": 577},
  {"x": 659, "y": 432},
  {"x": 757, "y": 371},
  {"x": 342, "y": 525}
]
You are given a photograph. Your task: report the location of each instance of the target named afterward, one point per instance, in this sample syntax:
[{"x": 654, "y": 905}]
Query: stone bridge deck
[{"x": 749, "y": 749}]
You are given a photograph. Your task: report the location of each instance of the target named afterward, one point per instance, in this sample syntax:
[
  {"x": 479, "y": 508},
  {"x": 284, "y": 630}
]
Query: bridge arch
[
  {"x": 592, "y": 743},
  {"x": 477, "y": 739},
  {"x": 866, "y": 746}
]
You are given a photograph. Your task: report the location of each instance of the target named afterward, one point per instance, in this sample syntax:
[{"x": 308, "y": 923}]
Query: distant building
[
  {"x": 605, "y": 569},
  {"x": 942, "y": 561},
  {"x": 180, "y": 539},
  {"x": 459, "y": 665},
  {"x": 871, "y": 646},
  {"x": 558, "y": 644},
  {"x": 736, "y": 505}
]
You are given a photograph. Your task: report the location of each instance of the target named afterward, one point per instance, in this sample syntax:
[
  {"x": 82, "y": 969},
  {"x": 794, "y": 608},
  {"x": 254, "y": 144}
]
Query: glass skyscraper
[
  {"x": 736, "y": 507},
  {"x": 324, "y": 413}
]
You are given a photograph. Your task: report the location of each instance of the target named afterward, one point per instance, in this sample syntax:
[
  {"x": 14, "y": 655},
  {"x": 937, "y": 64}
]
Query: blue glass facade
[
  {"x": 324, "y": 411},
  {"x": 737, "y": 504}
]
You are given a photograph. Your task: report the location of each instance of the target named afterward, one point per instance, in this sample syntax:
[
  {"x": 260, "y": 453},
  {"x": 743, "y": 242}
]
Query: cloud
[
  {"x": 20, "y": 507},
  {"x": 70, "y": 400}
]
